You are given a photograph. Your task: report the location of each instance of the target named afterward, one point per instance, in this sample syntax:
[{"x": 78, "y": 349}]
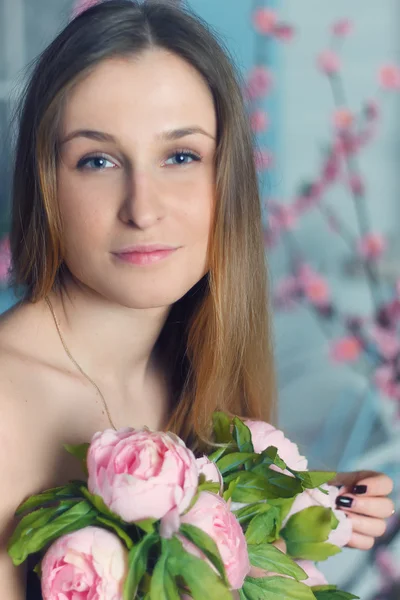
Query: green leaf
[
  {"x": 331, "y": 593},
  {"x": 311, "y": 524},
  {"x": 306, "y": 533},
  {"x": 206, "y": 544},
  {"x": 222, "y": 427},
  {"x": 79, "y": 451},
  {"x": 217, "y": 454},
  {"x": 266, "y": 556},
  {"x": 147, "y": 525},
  {"x": 198, "y": 575},
  {"x": 251, "y": 487},
  {"x": 209, "y": 486},
  {"x": 137, "y": 564},
  {"x": 227, "y": 495},
  {"x": 109, "y": 524},
  {"x": 285, "y": 486},
  {"x": 242, "y": 436},
  {"x": 233, "y": 461},
  {"x": 163, "y": 585},
  {"x": 276, "y": 588},
  {"x": 264, "y": 527},
  {"x": 283, "y": 505},
  {"x": 315, "y": 551},
  {"x": 39, "y": 528},
  {"x": 270, "y": 456},
  {"x": 50, "y": 496},
  {"x": 313, "y": 479},
  {"x": 98, "y": 503}
]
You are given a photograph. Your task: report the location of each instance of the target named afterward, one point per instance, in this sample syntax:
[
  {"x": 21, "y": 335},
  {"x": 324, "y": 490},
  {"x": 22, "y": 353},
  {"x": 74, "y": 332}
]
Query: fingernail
[
  {"x": 344, "y": 501},
  {"x": 359, "y": 489}
]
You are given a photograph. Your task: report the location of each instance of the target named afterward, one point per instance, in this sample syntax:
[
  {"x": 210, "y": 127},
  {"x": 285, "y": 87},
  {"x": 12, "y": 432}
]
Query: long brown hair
[{"x": 216, "y": 343}]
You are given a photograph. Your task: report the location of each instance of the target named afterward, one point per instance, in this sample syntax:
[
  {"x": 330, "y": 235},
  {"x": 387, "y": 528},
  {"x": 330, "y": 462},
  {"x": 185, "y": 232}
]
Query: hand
[{"x": 364, "y": 499}]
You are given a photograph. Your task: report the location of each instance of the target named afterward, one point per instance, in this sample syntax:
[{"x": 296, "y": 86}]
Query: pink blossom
[
  {"x": 356, "y": 184},
  {"x": 315, "y": 288},
  {"x": 286, "y": 292},
  {"x": 385, "y": 378},
  {"x": 284, "y": 32},
  {"x": 265, "y": 20},
  {"x": 372, "y": 246},
  {"x": 141, "y": 474},
  {"x": 264, "y": 435},
  {"x": 386, "y": 341},
  {"x": 331, "y": 168},
  {"x": 263, "y": 159},
  {"x": 5, "y": 259},
  {"x": 213, "y": 515},
  {"x": 343, "y": 118},
  {"x": 285, "y": 216},
  {"x": 328, "y": 62},
  {"x": 347, "y": 143},
  {"x": 315, "y": 576},
  {"x": 90, "y": 563},
  {"x": 314, "y": 497},
  {"x": 309, "y": 198},
  {"x": 347, "y": 349},
  {"x": 342, "y": 28},
  {"x": 259, "y": 121},
  {"x": 389, "y": 77},
  {"x": 259, "y": 83},
  {"x": 82, "y": 5}
]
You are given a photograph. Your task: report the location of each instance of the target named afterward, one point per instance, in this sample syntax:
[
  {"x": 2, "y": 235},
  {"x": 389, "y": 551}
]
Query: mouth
[{"x": 145, "y": 255}]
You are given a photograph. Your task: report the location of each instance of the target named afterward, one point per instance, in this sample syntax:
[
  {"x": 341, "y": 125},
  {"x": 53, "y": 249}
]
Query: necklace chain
[{"x": 77, "y": 365}]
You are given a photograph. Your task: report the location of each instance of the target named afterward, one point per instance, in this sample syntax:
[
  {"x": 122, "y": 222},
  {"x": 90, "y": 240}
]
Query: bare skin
[{"x": 144, "y": 189}]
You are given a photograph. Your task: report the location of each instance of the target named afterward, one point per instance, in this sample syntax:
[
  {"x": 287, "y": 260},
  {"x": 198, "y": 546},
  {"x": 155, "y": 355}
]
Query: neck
[{"x": 111, "y": 342}]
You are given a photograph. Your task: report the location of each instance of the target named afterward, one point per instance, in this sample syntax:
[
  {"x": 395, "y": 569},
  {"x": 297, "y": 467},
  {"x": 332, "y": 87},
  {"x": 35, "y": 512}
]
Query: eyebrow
[{"x": 170, "y": 135}]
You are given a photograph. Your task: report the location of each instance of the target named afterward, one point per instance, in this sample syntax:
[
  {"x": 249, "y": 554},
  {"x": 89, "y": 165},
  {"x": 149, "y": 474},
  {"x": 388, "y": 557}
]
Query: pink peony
[
  {"x": 141, "y": 474},
  {"x": 339, "y": 536},
  {"x": 210, "y": 470},
  {"x": 315, "y": 577},
  {"x": 347, "y": 349},
  {"x": 328, "y": 62},
  {"x": 89, "y": 564},
  {"x": 389, "y": 77},
  {"x": 264, "y": 435},
  {"x": 212, "y": 514}
]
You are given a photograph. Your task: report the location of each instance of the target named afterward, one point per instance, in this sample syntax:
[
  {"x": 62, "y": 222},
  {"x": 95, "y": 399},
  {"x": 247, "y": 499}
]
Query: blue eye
[
  {"x": 98, "y": 163},
  {"x": 182, "y": 156}
]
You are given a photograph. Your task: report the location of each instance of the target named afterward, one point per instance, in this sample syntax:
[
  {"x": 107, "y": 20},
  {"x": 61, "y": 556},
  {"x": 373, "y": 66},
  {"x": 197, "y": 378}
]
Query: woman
[{"x": 136, "y": 235}]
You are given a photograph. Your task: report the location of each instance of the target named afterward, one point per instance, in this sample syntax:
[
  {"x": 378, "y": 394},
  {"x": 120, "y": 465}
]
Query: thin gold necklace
[{"x": 77, "y": 365}]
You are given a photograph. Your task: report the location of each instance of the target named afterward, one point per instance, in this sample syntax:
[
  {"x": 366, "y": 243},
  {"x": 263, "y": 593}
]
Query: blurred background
[{"x": 322, "y": 84}]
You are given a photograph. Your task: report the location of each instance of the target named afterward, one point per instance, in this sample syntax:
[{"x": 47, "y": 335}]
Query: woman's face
[{"x": 136, "y": 168}]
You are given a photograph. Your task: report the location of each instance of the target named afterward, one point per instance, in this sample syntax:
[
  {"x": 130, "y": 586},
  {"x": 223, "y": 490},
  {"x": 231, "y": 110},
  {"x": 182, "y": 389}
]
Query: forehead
[{"x": 152, "y": 91}]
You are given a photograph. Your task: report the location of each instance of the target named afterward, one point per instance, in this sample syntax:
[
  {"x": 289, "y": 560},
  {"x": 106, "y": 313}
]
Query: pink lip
[{"x": 145, "y": 255}]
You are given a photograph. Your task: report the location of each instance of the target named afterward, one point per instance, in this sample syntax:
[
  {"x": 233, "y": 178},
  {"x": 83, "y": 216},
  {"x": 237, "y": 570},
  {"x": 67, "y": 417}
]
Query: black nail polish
[
  {"x": 344, "y": 501},
  {"x": 359, "y": 489}
]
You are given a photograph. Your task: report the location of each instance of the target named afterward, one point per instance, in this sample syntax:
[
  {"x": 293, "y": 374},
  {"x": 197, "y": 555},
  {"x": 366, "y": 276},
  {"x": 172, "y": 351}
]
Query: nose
[{"x": 142, "y": 205}]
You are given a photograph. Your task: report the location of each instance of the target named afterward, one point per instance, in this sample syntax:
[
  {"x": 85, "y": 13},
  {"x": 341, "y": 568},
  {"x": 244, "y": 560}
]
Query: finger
[
  {"x": 377, "y": 485},
  {"x": 361, "y": 542},
  {"x": 350, "y": 479},
  {"x": 381, "y": 508},
  {"x": 367, "y": 526}
]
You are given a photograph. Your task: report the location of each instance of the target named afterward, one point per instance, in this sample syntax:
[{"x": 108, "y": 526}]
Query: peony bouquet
[{"x": 155, "y": 523}]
